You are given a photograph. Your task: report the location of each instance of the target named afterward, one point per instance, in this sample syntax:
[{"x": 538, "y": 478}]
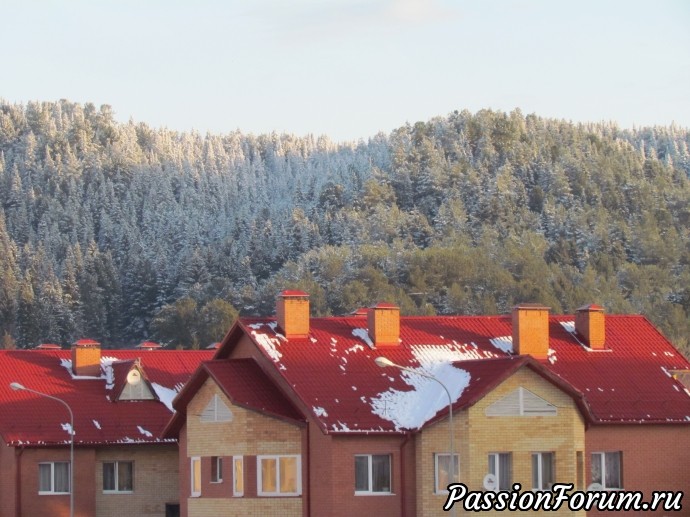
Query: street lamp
[
  {"x": 19, "y": 387},
  {"x": 384, "y": 362}
]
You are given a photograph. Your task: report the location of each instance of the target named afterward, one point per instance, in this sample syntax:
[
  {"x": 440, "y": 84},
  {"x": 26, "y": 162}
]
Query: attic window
[
  {"x": 216, "y": 411},
  {"x": 136, "y": 388},
  {"x": 521, "y": 402}
]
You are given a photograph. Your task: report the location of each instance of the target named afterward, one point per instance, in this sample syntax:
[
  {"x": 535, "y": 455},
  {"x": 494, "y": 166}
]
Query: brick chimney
[
  {"x": 292, "y": 312},
  {"x": 86, "y": 358},
  {"x": 531, "y": 330},
  {"x": 383, "y": 321},
  {"x": 590, "y": 324}
]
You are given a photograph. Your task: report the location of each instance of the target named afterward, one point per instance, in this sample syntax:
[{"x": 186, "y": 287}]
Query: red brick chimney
[
  {"x": 383, "y": 320},
  {"x": 531, "y": 330},
  {"x": 292, "y": 312},
  {"x": 590, "y": 324},
  {"x": 86, "y": 358}
]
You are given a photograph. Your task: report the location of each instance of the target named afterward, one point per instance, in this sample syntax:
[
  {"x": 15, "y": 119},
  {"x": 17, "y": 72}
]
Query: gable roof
[
  {"x": 244, "y": 384},
  {"x": 30, "y": 419},
  {"x": 334, "y": 376}
]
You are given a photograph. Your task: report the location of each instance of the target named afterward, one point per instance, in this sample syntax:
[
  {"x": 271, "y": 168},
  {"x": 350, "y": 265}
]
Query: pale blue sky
[{"x": 349, "y": 68}]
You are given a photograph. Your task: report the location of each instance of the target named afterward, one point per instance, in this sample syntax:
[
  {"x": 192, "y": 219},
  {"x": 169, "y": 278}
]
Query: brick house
[
  {"x": 121, "y": 401},
  {"x": 296, "y": 412}
]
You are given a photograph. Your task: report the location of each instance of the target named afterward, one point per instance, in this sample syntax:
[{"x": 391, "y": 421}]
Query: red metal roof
[
  {"x": 334, "y": 375},
  {"x": 293, "y": 292},
  {"x": 30, "y": 419}
]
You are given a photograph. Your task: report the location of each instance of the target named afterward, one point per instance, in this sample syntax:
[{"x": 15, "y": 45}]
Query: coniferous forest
[{"x": 124, "y": 232}]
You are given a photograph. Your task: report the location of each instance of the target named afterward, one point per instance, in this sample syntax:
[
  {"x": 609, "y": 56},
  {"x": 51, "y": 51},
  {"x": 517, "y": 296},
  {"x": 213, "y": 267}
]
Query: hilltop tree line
[{"x": 121, "y": 232}]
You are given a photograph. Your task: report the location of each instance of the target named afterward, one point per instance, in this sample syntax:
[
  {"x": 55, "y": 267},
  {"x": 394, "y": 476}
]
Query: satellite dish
[
  {"x": 133, "y": 377},
  {"x": 490, "y": 482},
  {"x": 595, "y": 487}
]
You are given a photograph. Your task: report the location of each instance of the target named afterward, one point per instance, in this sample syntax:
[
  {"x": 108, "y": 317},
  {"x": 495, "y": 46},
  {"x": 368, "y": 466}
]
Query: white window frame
[
  {"x": 370, "y": 475},
  {"x": 117, "y": 467},
  {"x": 277, "y": 458},
  {"x": 540, "y": 457},
  {"x": 601, "y": 459},
  {"x": 456, "y": 458},
  {"x": 52, "y": 478},
  {"x": 218, "y": 462},
  {"x": 237, "y": 481},
  {"x": 194, "y": 472},
  {"x": 495, "y": 459}
]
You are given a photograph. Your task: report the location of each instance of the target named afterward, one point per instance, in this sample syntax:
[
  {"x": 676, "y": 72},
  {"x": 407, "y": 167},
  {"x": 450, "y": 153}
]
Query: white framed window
[
  {"x": 237, "y": 476},
  {"x": 606, "y": 469},
  {"x": 279, "y": 475},
  {"x": 543, "y": 470},
  {"x": 118, "y": 477},
  {"x": 196, "y": 476},
  {"x": 53, "y": 477},
  {"x": 216, "y": 411},
  {"x": 372, "y": 474},
  {"x": 216, "y": 469},
  {"x": 501, "y": 466},
  {"x": 442, "y": 470}
]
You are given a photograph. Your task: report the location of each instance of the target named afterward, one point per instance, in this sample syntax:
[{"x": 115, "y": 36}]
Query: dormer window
[{"x": 134, "y": 385}]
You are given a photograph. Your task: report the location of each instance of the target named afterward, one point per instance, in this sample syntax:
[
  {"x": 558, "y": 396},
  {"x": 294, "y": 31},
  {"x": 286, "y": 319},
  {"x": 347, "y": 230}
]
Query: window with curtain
[
  {"x": 542, "y": 470},
  {"x": 196, "y": 476},
  {"x": 53, "y": 477},
  {"x": 501, "y": 466},
  {"x": 372, "y": 473},
  {"x": 118, "y": 476},
  {"x": 442, "y": 470},
  {"x": 606, "y": 469},
  {"x": 279, "y": 475},
  {"x": 238, "y": 476}
]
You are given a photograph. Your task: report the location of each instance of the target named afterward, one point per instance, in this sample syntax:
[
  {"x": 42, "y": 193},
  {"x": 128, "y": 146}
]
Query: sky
[{"x": 349, "y": 69}]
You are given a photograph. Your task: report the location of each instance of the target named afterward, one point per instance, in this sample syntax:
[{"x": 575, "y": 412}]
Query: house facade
[
  {"x": 595, "y": 400},
  {"x": 120, "y": 400}
]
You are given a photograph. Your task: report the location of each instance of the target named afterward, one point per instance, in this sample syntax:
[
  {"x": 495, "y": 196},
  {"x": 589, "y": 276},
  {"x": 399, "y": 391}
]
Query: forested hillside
[{"x": 123, "y": 232}]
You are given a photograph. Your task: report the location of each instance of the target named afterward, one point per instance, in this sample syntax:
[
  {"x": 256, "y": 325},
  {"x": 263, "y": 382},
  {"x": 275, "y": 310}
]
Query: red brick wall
[
  {"x": 7, "y": 480},
  {"x": 655, "y": 457}
]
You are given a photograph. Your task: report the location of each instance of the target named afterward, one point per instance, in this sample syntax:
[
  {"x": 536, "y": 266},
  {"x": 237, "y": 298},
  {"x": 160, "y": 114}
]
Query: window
[
  {"x": 196, "y": 476},
  {"x": 373, "y": 474},
  {"x": 543, "y": 466},
  {"x": 279, "y": 475},
  {"x": 216, "y": 411},
  {"x": 606, "y": 469},
  {"x": 53, "y": 478},
  {"x": 442, "y": 469},
  {"x": 580, "y": 462},
  {"x": 521, "y": 402},
  {"x": 501, "y": 466},
  {"x": 216, "y": 469},
  {"x": 118, "y": 476},
  {"x": 237, "y": 476}
]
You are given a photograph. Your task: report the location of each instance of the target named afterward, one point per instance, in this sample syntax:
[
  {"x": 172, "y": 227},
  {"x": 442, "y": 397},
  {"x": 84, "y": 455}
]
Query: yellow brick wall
[
  {"x": 248, "y": 434},
  {"x": 155, "y": 480},
  {"x": 477, "y": 435}
]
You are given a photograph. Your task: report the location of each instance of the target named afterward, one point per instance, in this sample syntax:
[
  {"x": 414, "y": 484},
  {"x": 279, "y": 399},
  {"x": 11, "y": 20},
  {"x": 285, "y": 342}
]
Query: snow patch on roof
[
  {"x": 412, "y": 409},
  {"x": 68, "y": 428},
  {"x": 269, "y": 344},
  {"x": 95, "y": 423},
  {"x": 165, "y": 395},
  {"x": 319, "y": 411},
  {"x": 364, "y": 336},
  {"x": 569, "y": 326},
  {"x": 503, "y": 343},
  {"x": 144, "y": 432}
]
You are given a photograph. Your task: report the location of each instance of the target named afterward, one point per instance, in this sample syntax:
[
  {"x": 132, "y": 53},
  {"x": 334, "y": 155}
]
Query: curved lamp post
[
  {"x": 19, "y": 387},
  {"x": 384, "y": 362}
]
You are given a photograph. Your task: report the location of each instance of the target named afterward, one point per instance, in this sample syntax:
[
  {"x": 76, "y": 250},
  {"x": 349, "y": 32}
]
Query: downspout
[
  {"x": 18, "y": 481},
  {"x": 402, "y": 475},
  {"x": 307, "y": 502}
]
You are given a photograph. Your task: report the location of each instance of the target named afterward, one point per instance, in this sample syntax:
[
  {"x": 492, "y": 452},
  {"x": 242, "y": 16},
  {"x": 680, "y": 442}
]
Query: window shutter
[
  {"x": 216, "y": 411},
  {"x": 521, "y": 402},
  {"x": 507, "y": 406}
]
